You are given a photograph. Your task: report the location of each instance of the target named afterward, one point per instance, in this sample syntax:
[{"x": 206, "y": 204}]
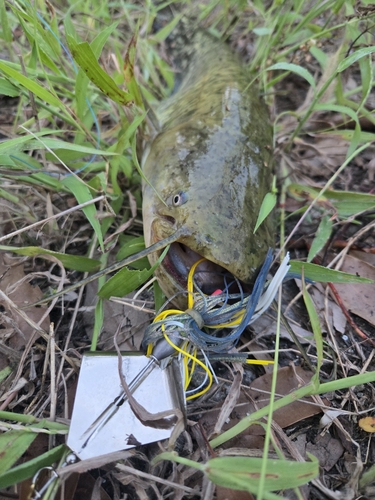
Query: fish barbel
[{"x": 211, "y": 166}]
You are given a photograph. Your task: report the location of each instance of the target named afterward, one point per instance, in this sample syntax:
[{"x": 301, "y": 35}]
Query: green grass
[{"x": 88, "y": 77}]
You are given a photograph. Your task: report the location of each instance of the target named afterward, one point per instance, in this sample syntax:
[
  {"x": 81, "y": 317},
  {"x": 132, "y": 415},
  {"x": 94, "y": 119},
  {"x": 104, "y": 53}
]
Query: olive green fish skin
[{"x": 214, "y": 150}]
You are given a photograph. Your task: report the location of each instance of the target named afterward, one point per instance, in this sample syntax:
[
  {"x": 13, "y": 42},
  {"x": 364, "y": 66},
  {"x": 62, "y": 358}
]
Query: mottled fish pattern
[{"x": 211, "y": 165}]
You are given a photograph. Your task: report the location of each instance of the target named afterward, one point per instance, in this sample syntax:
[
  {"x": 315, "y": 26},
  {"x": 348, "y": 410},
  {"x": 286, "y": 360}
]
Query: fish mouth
[{"x": 208, "y": 276}]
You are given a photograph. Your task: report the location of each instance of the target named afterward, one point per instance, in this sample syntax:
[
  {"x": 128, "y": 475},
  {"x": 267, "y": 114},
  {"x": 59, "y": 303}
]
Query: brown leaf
[
  {"x": 358, "y": 298},
  {"x": 365, "y": 256},
  {"x": 257, "y": 396},
  {"x": 327, "y": 450},
  {"x": 21, "y": 293},
  {"x": 90, "y": 489},
  {"x": 122, "y": 318},
  {"x": 321, "y": 153},
  {"x": 265, "y": 325},
  {"x": 288, "y": 379},
  {"x": 70, "y": 486},
  {"x": 335, "y": 315},
  {"x": 94, "y": 463},
  {"x": 230, "y": 400}
]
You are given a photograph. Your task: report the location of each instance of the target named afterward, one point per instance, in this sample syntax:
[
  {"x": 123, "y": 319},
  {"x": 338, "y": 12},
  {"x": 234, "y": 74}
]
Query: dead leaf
[
  {"x": 21, "y": 293},
  {"x": 288, "y": 379},
  {"x": 300, "y": 444},
  {"x": 69, "y": 487},
  {"x": 358, "y": 298},
  {"x": 367, "y": 424},
  {"x": 94, "y": 463},
  {"x": 231, "y": 399},
  {"x": 335, "y": 315},
  {"x": 327, "y": 450},
  {"x": 122, "y": 318},
  {"x": 365, "y": 256},
  {"x": 321, "y": 152},
  {"x": 90, "y": 488},
  {"x": 257, "y": 396},
  {"x": 266, "y": 325}
]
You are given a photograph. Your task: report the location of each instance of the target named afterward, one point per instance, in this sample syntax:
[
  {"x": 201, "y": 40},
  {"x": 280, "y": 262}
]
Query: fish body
[{"x": 211, "y": 166}]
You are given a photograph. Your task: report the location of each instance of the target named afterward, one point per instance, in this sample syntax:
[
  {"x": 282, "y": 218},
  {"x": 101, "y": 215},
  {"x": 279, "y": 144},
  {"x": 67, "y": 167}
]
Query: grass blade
[
  {"x": 28, "y": 469},
  {"x": 76, "y": 262},
  {"x": 323, "y": 274},
  {"x": 14, "y": 443},
  {"x": 315, "y": 325},
  {"x": 86, "y": 59},
  {"x": 358, "y": 54},
  {"x": 294, "y": 68},
  {"x": 31, "y": 85},
  {"x": 127, "y": 280},
  {"x": 82, "y": 195},
  {"x": 6, "y": 32},
  {"x": 243, "y": 473},
  {"x": 6, "y": 88},
  {"x": 322, "y": 235},
  {"x": 268, "y": 204}
]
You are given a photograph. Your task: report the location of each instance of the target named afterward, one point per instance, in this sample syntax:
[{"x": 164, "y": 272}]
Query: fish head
[{"x": 212, "y": 198}]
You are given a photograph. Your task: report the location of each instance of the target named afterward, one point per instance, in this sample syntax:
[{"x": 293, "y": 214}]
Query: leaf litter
[
  {"x": 359, "y": 300},
  {"x": 17, "y": 327},
  {"x": 311, "y": 158}
]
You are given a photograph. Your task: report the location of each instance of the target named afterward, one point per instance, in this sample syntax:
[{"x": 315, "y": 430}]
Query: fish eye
[{"x": 179, "y": 199}]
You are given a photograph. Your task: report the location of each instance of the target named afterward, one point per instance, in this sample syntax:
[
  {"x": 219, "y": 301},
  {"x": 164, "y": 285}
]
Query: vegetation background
[{"x": 79, "y": 85}]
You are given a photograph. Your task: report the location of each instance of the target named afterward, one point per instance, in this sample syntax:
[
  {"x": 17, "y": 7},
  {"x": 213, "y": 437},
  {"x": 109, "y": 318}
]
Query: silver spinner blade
[{"x": 98, "y": 392}]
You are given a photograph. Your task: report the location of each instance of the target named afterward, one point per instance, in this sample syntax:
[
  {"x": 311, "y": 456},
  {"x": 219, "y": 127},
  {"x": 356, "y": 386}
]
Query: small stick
[
  {"x": 159, "y": 245},
  {"x": 57, "y": 216},
  {"x": 53, "y": 380}
]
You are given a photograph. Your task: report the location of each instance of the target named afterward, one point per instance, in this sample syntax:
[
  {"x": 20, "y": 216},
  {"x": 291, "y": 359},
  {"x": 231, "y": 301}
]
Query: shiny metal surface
[{"x": 99, "y": 385}]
